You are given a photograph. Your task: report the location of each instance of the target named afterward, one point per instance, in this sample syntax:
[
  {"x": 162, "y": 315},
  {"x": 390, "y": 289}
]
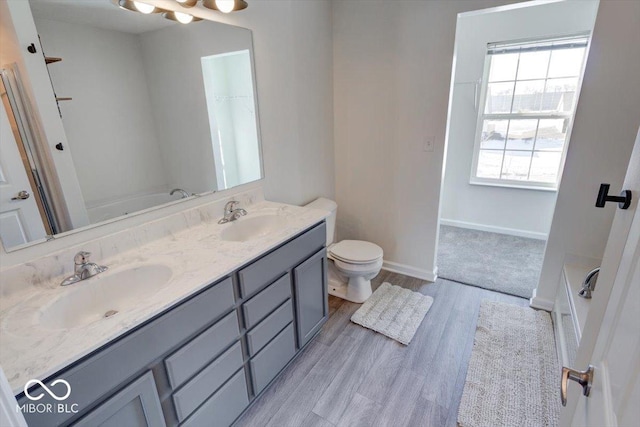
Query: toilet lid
[{"x": 356, "y": 251}]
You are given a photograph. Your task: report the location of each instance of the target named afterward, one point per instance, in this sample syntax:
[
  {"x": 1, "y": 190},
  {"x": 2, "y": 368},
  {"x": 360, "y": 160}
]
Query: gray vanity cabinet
[
  {"x": 137, "y": 405},
  {"x": 203, "y": 361},
  {"x": 310, "y": 282}
]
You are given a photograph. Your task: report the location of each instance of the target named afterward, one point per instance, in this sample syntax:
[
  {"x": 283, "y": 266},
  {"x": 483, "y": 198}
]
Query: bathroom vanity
[{"x": 187, "y": 353}]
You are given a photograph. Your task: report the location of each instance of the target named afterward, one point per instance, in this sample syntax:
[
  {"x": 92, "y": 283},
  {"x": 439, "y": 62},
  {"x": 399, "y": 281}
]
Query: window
[{"x": 528, "y": 98}]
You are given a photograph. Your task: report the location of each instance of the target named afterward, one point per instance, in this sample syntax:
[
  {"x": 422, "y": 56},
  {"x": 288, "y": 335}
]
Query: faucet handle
[
  {"x": 231, "y": 205},
  {"x": 81, "y": 257}
]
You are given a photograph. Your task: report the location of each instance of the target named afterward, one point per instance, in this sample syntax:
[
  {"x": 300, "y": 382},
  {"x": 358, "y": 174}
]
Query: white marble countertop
[{"x": 197, "y": 257}]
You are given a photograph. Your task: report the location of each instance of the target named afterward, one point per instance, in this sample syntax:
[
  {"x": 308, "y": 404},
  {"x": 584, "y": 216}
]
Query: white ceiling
[{"x": 98, "y": 13}]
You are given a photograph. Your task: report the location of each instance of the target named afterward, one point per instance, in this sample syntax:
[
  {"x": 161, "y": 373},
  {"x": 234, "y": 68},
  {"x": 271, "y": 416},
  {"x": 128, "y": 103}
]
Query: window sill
[{"x": 513, "y": 185}]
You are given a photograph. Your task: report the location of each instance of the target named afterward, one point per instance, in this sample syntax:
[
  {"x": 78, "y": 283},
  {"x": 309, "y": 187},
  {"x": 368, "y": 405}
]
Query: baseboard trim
[
  {"x": 540, "y": 303},
  {"x": 494, "y": 229},
  {"x": 407, "y": 270}
]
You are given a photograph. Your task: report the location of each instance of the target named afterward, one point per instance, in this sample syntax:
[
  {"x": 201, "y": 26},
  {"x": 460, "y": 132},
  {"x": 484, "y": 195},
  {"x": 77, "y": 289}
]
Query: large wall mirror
[{"x": 153, "y": 111}]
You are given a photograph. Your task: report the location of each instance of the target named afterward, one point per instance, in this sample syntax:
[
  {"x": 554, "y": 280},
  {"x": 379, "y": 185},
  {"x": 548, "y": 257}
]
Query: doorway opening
[{"x": 515, "y": 85}]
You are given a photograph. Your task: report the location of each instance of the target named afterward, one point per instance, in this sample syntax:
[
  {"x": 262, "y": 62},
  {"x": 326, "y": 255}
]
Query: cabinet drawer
[
  {"x": 196, "y": 391},
  {"x": 262, "y": 304},
  {"x": 270, "y": 361},
  {"x": 224, "y": 406},
  {"x": 137, "y": 405},
  {"x": 124, "y": 358},
  {"x": 259, "y": 336},
  {"x": 270, "y": 267},
  {"x": 192, "y": 357}
]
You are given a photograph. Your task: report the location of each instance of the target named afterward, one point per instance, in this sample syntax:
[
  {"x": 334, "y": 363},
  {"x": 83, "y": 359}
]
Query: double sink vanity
[{"x": 185, "y": 329}]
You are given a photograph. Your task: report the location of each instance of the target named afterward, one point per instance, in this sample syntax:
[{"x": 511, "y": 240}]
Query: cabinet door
[
  {"x": 310, "y": 281},
  {"x": 137, "y": 405}
]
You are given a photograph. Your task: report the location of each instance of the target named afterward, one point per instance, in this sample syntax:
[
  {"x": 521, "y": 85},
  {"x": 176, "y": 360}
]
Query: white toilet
[{"x": 352, "y": 263}]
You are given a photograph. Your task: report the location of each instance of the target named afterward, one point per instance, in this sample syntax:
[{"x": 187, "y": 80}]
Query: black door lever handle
[{"x": 623, "y": 200}]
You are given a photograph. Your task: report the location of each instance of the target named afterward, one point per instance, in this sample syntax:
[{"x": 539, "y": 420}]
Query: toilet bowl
[{"x": 352, "y": 263}]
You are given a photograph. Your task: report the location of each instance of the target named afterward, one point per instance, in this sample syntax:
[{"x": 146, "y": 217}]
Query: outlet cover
[{"x": 428, "y": 144}]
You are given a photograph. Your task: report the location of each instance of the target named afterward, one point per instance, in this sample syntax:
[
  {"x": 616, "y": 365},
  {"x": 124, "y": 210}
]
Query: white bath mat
[
  {"x": 513, "y": 374},
  {"x": 393, "y": 311}
]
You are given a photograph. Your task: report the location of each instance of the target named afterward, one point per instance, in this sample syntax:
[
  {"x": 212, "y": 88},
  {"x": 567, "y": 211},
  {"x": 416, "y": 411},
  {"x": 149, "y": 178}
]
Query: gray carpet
[
  {"x": 512, "y": 379},
  {"x": 499, "y": 262}
]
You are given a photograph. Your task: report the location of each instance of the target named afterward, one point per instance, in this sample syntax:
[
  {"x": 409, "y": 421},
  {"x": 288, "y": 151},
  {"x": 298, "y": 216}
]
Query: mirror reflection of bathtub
[
  {"x": 117, "y": 108},
  {"x": 126, "y": 205}
]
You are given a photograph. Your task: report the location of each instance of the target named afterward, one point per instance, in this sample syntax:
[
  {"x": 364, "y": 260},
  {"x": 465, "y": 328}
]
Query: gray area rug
[
  {"x": 499, "y": 262},
  {"x": 513, "y": 373},
  {"x": 393, "y": 311}
]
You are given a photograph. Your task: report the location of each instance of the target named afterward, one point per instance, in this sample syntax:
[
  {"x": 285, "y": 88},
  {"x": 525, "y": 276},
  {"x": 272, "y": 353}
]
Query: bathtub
[{"x": 126, "y": 205}]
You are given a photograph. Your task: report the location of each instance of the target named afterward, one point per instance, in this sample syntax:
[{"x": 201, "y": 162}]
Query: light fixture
[
  {"x": 187, "y": 3},
  {"x": 137, "y": 6},
  {"x": 181, "y": 17},
  {"x": 225, "y": 6}
]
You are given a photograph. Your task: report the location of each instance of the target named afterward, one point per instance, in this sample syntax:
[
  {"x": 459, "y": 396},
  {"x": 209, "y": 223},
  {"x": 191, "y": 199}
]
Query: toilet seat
[
  {"x": 356, "y": 252},
  {"x": 363, "y": 269}
]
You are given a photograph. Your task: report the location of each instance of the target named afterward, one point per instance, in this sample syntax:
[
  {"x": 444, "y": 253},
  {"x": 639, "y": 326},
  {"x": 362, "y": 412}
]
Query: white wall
[
  {"x": 524, "y": 212},
  {"x": 392, "y": 69},
  {"x": 604, "y": 131},
  {"x": 109, "y": 120}
]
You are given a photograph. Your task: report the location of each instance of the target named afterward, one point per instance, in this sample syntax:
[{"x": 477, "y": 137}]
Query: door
[
  {"x": 137, "y": 405},
  {"x": 611, "y": 341},
  {"x": 312, "y": 307},
  {"x": 20, "y": 220}
]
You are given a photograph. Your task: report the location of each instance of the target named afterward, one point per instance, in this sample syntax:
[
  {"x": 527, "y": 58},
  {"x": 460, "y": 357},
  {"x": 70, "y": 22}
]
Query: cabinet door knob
[{"x": 23, "y": 195}]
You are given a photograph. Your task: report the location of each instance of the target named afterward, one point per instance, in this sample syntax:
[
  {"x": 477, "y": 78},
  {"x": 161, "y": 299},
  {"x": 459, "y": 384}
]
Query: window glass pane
[
  {"x": 528, "y": 96},
  {"x": 493, "y": 134},
  {"x": 489, "y": 164},
  {"x": 499, "y": 97},
  {"x": 551, "y": 134},
  {"x": 566, "y": 62},
  {"x": 544, "y": 166},
  {"x": 516, "y": 165},
  {"x": 533, "y": 65},
  {"x": 503, "y": 67},
  {"x": 559, "y": 95},
  {"x": 521, "y": 134}
]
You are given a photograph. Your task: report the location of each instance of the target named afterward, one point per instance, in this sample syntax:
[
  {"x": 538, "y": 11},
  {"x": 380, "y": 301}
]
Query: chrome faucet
[
  {"x": 589, "y": 284},
  {"x": 83, "y": 269},
  {"x": 231, "y": 213},
  {"x": 181, "y": 191}
]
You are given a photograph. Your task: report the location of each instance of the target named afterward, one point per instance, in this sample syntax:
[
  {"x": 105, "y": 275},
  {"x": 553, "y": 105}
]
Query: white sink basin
[
  {"x": 104, "y": 296},
  {"x": 250, "y": 228}
]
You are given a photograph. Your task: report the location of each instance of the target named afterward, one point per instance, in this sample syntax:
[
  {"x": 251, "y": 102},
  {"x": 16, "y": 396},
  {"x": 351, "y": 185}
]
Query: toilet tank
[{"x": 331, "y": 207}]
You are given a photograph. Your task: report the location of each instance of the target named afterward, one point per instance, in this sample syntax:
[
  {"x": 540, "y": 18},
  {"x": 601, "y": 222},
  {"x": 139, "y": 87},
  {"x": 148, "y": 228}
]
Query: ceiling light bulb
[
  {"x": 187, "y": 3},
  {"x": 225, "y": 6},
  {"x": 183, "y": 18},
  {"x": 144, "y": 7}
]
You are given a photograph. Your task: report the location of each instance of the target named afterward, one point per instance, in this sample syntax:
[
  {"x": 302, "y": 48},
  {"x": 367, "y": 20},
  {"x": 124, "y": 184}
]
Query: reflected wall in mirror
[{"x": 148, "y": 106}]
